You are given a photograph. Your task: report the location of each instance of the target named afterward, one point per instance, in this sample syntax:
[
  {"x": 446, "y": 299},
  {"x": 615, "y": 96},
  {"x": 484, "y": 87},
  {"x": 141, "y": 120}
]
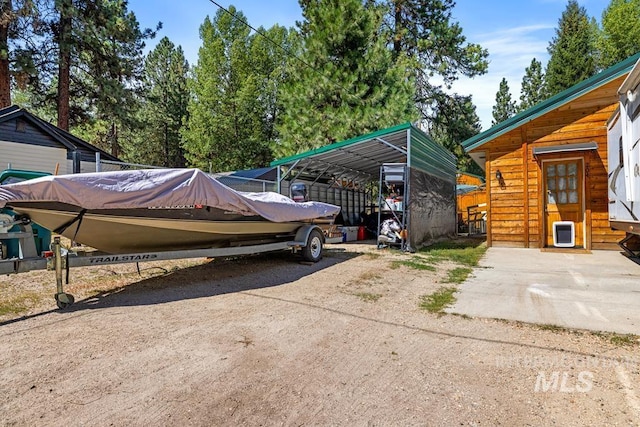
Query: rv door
[{"x": 630, "y": 115}]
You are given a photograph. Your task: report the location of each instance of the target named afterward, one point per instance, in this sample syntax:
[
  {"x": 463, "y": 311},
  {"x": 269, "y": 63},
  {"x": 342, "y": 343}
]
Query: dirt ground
[{"x": 267, "y": 340}]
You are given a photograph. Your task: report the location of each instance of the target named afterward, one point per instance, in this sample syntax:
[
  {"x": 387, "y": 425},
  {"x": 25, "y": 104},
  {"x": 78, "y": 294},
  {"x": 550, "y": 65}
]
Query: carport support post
[
  {"x": 379, "y": 208},
  {"x": 76, "y": 161},
  {"x": 406, "y": 202},
  {"x": 278, "y": 176}
]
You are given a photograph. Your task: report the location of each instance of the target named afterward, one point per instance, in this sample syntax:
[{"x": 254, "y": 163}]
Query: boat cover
[{"x": 158, "y": 188}]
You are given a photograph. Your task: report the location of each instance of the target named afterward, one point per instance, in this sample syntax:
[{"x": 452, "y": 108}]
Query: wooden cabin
[{"x": 546, "y": 169}]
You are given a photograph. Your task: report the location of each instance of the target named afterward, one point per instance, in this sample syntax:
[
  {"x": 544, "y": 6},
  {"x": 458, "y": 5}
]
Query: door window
[{"x": 562, "y": 183}]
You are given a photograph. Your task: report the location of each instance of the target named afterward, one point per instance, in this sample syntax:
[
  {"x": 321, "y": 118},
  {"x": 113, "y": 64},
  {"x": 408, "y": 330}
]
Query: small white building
[{"x": 30, "y": 143}]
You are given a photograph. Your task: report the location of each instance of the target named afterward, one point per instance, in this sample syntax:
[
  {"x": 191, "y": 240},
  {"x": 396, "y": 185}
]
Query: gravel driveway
[{"x": 269, "y": 341}]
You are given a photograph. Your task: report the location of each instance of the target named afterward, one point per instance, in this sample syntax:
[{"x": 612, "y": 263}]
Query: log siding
[{"x": 516, "y": 203}]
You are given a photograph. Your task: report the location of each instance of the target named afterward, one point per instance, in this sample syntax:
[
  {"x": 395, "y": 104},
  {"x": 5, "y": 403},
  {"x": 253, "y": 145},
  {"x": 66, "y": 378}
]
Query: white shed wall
[{"x": 33, "y": 157}]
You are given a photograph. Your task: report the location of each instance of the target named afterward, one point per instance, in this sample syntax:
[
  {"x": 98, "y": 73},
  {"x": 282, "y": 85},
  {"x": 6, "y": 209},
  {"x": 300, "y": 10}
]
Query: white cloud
[{"x": 510, "y": 53}]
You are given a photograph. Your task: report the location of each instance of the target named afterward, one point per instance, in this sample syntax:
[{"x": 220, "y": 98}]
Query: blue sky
[{"x": 514, "y": 32}]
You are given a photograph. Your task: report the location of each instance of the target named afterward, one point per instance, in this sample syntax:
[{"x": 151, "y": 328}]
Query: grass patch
[
  {"x": 626, "y": 339},
  {"x": 370, "y": 276},
  {"x": 552, "y": 328},
  {"x": 372, "y": 255},
  {"x": 368, "y": 297},
  {"x": 458, "y": 275},
  {"x": 416, "y": 263},
  {"x": 439, "y": 300},
  {"x": 367, "y": 278},
  {"x": 20, "y": 303},
  {"x": 464, "y": 252}
]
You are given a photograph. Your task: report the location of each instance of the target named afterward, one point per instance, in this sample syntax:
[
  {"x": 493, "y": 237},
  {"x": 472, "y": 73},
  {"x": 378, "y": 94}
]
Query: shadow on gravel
[{"x": 216, "y": 277}]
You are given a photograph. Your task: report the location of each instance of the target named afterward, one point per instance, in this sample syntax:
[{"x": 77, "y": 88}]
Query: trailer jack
[{"x": 63, "y": 299}]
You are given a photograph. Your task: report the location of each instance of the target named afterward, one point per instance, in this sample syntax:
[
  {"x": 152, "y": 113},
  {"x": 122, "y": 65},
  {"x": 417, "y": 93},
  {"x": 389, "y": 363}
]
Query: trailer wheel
[
  {"x": 64, "y": 300},
  {"x": 313, "y": 251}
]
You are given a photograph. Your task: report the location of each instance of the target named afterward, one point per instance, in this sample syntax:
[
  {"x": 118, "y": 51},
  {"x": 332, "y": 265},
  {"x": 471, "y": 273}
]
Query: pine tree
[
  {"x": 6, "y": 19},
  {"x": 107, "y": 59},
  {"x": 572, "y": 50},
  {"x": 345, "y": 81},
  {"x": 461, "y": 124},
  {"x": 21, "y": 37},
  {"x": 89, "y": 55},
  {"x": 532, "y": 91},
  {"x": 226, "y": 126},
  {"x": 164, "y": 107},
  {"x": 504, "y": 107},
  {"x": 620, "y": 35},
  {"x": 425, "y": 31},
  {"x": 269, "y": 56},
  {"x": 63, "y": 39}
]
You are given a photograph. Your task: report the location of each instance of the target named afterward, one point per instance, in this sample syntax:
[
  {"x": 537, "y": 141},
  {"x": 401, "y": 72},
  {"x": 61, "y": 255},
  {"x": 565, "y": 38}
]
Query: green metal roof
[
  {"x": 552, "y": 103},
  {"x": 360, "y": 158}
]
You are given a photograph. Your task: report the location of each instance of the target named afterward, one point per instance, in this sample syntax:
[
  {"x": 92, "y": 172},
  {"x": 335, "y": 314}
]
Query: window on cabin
[{"x": 562, "y": 183}]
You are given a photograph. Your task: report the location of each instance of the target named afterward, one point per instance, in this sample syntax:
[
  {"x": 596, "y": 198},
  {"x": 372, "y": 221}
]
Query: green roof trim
[
  {"x": 340, "y": 144},
  {"x": 552, "y": 103}
]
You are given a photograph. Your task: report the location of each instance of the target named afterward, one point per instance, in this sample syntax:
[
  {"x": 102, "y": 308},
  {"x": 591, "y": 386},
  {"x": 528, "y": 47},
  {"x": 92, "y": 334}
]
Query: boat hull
[{"x": 117, "y": 233}]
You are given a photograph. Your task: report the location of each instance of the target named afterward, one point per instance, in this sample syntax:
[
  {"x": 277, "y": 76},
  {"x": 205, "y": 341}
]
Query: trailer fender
[{"x": 303, "y": 233}]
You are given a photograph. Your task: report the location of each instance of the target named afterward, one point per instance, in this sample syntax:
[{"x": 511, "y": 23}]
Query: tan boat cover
[{"x": 158, "y": 188}]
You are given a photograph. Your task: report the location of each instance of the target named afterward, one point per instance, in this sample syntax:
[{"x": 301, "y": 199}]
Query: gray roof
[
  {"x": 360, "y": 158},
  {"x": 64, "y": 138}
]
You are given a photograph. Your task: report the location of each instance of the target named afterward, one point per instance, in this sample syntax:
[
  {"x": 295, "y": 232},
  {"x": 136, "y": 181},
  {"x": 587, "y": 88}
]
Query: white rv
[{"x": 624, "y": 160}]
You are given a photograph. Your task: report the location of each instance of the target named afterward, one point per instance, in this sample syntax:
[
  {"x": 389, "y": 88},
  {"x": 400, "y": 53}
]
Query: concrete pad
[{"x": 599, "y": 291}]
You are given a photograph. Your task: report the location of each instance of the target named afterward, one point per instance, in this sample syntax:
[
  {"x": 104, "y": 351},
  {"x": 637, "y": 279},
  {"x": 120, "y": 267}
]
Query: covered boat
[{"x": 158, "y": 209}]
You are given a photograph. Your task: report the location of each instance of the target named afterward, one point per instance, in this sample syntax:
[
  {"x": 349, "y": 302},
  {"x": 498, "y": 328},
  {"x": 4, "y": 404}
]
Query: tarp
[{"x": 158, "y": 188}]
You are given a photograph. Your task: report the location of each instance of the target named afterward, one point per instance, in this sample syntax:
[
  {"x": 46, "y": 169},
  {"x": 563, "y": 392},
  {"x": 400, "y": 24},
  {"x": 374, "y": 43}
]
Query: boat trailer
[{"x": 308, "y": 241}]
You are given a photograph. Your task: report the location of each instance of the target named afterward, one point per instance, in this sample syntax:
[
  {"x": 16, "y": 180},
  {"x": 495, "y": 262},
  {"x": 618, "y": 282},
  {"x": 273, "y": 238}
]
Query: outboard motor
[{"x": 298, "y": 192}]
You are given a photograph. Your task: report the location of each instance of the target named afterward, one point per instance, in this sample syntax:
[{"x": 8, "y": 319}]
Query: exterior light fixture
[{"x": 499, "y": 175}]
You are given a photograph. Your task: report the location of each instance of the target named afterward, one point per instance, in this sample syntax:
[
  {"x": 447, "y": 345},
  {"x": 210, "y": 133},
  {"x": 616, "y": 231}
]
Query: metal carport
[{"x": 347, "y": 173}]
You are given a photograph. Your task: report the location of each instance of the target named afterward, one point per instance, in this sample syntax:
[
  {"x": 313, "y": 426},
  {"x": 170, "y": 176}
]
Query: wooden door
[{"x": 564, "y": 196}]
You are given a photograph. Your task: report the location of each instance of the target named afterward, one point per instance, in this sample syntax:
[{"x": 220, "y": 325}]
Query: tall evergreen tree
[
  {"x": 459, "y": 126},
  {"x": 620, "y": 34},
  {"x": 82, "y": 64},
  {"x": 345, "y": 81},
  {"x": 63, "y": 39},
  {"x": 572, "y": 50},
  {"x": 21, "y": 37},
  {"x": 107, "y": 57},
  {"x": 6, "y": 19},
  {"x": 163, "y": 110},
  {"x": 269, "y": 56},
  {"x": 504, "y": 107},
  {"x": 425, "y": 31},
  {"x": 225, "y": 129},
  {"x": 532, "y": 90}
]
